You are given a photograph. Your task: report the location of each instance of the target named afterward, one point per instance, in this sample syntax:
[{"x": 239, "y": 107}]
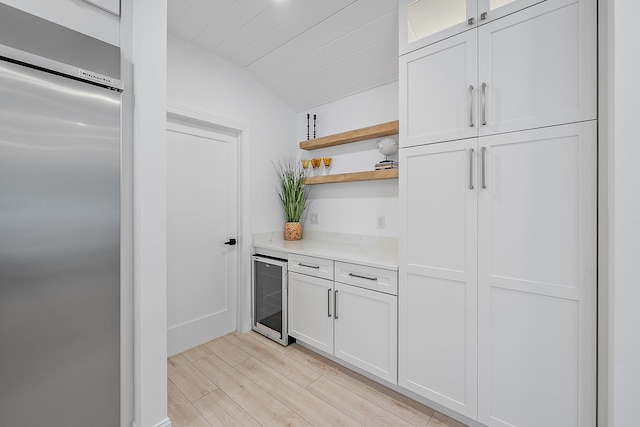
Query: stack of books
[{"x": 386, "y": 164}]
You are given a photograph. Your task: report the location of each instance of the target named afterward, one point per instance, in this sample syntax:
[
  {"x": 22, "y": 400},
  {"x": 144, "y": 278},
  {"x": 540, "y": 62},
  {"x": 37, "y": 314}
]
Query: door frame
[{"x": 243, "y": 133}]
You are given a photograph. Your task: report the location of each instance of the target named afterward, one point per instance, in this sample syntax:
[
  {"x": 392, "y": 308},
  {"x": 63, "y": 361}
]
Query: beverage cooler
[{"x": 269, "y": 297}]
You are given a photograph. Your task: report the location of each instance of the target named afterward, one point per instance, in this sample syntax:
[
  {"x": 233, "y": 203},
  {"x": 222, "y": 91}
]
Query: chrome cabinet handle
[
  {"x": 329, "y": 302},
  {"x": 484, "y": 104},
  {"x": 362, "y": 277},
  {"x": 317, "y": 267},
  {"x": 471, "y": 20},
  {"x": 484, "y": 182},
  {"x": 335, "y": 304},
  {"x": 470, "y": 105},
  {"x": 483, "y": 15},
  {"x": 471, "y": 151}
]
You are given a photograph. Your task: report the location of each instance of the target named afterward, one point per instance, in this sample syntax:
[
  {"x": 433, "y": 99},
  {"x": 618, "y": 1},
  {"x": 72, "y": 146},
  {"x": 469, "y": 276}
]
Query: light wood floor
[{"x": 248, "y": 380}]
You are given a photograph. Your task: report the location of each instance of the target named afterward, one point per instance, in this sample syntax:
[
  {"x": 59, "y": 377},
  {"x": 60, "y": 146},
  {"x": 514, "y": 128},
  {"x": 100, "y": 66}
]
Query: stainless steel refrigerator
[{"x": 59, "y": 244}]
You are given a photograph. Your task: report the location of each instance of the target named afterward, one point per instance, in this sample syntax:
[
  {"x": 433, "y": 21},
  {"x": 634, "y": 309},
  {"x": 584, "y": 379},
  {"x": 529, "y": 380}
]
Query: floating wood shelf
[
  {"x": 384, "y": 129},
  {"x": 355, "y": 176}
]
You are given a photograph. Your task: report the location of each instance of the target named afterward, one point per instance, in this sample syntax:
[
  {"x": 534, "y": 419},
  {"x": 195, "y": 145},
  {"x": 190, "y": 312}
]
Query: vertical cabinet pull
[
  {"x": 329, "y": 302},
  {"x": 484, "y": 167},
  {"x": 471, "y": 151},
  {"x": 335, "y": 304},
  {"x": 484, "y": 104},
  {"x": 470, "y": 105}
]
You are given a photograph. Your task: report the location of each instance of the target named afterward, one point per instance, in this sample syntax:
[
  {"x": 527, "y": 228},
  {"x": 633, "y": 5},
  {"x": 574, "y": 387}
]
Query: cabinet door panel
[
  {"x": 366, "y": 330},
  {"x": 437, "y": 286},
  {"x": 536, "y": 277},
  {"x": 311, "y": 311},
  {"x": 436, "y": 92},
  {"x": 539, "y": 67},
  {"x": 439, "y": 206}
]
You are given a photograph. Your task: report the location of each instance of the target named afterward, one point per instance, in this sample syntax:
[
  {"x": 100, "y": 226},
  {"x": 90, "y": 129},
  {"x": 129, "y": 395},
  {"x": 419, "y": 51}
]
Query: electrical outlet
[
  {"x": 314, "y": 218},
  {"x": 380, "y": 221}
]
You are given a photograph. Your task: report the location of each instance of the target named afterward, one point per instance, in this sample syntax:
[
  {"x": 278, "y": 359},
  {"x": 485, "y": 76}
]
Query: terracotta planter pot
[{"x": 292, "y": 231}]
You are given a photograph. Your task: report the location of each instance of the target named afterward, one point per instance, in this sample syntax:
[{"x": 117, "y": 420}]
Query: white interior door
[{"x": 201, "y": 217}]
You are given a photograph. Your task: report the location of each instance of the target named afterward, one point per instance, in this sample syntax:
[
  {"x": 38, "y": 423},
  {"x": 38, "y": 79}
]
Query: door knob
[{"x": 230, "y": 242}]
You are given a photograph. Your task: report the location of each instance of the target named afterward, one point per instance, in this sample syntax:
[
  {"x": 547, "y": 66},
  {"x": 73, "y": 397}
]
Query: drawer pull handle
[
  {"x": 317, "y": 267},
  {"x": 363, "y": 277}
]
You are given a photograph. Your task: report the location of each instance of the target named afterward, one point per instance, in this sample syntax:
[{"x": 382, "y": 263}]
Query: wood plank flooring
[{"x": 248, "y": 380}]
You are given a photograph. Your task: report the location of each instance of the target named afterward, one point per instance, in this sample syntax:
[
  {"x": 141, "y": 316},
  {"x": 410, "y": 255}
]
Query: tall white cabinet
[{"x": 497, "y": 283}]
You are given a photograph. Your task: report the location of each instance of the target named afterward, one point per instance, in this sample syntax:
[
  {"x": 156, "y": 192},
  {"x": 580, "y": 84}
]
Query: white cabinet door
[
  {"x": 311, "y": 310},
  {"x": 437, "y": 286},
  {"x": 537, "y": 278},
  {"x": 537, "y": 67},
  {"x": 366, "y": 330},
  {"x": 437, "y": 92}
]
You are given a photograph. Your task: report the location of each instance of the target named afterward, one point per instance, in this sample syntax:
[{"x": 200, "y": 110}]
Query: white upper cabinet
[
  {"x": 438, "y": 103},
  {"x": 537, "y": 67},
  {"x": 529, "y": 69},
  {"x": 423, "y": 22}
]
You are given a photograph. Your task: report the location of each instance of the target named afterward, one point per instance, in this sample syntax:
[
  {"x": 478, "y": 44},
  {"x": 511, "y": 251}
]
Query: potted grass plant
[{"x": 294, "y": 196}]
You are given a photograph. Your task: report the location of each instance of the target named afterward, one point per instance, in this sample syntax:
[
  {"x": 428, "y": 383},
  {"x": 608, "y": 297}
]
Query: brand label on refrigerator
[{"x": 99, "y": 78}]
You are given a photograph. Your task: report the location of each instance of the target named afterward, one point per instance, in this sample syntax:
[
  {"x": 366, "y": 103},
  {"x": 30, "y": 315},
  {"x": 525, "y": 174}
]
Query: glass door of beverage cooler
[{"x": 270, "y": 298}]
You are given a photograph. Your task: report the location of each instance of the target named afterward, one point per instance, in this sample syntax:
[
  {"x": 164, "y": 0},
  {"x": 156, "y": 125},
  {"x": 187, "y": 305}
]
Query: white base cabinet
[
  {"x": 354, "y": 318},
  {"x": 311, "y": 310}
]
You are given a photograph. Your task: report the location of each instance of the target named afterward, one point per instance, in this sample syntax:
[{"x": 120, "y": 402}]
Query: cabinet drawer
[
  {"x": 311, "y": 266},
  {"x": 376, "y": 279}
]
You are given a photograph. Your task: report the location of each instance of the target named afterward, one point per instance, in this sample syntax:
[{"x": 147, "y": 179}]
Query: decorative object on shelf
[
  {"x": 315, "y": 164},
  {"x": 314, "y": 126},
  {"x": 305, "y": 164},
  {"x": 387, "y": 146},
  {"x": 327, "y": 164},
  {"x": 294, "y": 196},
  {"x": 308, "y": 116}
]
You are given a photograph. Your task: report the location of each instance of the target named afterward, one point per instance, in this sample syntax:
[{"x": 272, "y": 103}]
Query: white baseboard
[
  {"x": 165, "y": 423},
  {"x": 193, "y": 333}
]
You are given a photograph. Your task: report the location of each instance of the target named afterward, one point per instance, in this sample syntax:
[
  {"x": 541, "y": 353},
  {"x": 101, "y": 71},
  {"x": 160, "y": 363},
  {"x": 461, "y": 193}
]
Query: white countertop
[{"x": 380, "y": 252}]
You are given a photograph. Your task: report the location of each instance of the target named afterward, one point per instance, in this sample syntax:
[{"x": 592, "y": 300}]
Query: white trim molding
[{"x": 243, "y": 132}]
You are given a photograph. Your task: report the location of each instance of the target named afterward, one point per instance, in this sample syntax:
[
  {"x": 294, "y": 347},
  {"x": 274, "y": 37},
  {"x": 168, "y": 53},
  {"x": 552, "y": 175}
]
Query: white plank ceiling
[{"x": 307, "y": 52}]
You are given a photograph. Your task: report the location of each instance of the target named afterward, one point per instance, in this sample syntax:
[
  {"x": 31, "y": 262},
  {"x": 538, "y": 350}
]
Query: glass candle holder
[
  {"x": 315, "y": 164},
  {"x": 305, "y": 164},
  {"x": 327, "y": 164}
]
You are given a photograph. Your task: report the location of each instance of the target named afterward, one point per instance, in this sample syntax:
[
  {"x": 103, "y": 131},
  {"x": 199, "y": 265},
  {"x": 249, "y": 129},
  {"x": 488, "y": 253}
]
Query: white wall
[
  {"x": 353, "y": 208},
  {"x": 624, "y": 281},
  {"x": 77, "y": 15},
  {"x": 144, "y": 29},
  {"x": 212, "y": 85}
]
